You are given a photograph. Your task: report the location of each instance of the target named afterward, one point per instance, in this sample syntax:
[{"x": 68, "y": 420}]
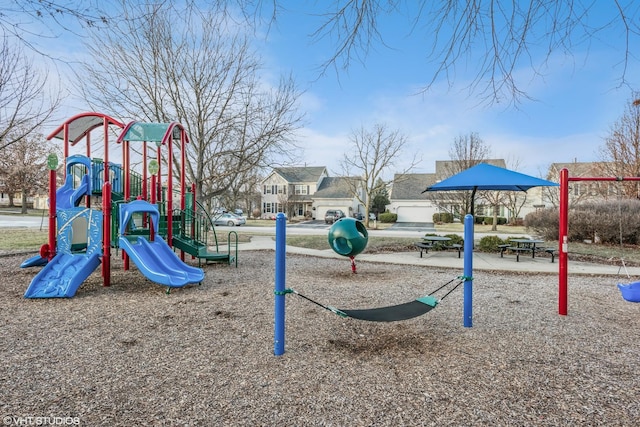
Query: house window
[
  {"x": 266, "y": 189},
  {"x": 301, "y": 189}
]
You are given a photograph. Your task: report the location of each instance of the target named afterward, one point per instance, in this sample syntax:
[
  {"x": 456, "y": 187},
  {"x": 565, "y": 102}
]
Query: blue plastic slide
[
  {"x": 155, "y": 259},
  {"x": 157, "y": 262},
  {"x": 34, "y": 261},
  {"x": 62, "y": 277},
  {"x": 67, "y": 196},
  {"x": 64, "y": 274}
]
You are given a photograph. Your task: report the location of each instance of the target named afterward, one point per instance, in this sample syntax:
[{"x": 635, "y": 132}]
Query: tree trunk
[
  {"x": 24, "y": 203},
  {"x": 494, "y": 225}
]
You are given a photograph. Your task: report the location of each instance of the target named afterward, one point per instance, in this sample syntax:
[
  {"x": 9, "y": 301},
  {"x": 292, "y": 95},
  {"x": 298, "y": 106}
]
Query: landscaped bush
[
  {"x": 488, "y": 220},
  {"x": 490, "y": 244},
  {"x": 455, "y": 239},
  {"x": 443, "y": 217},
  {"x": 543, "y": 223},
  {"x": 387, "y": 217},
  {"x": 606, "y": 222}
]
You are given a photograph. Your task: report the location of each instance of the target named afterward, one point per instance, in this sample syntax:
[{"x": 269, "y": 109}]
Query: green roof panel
[{"x": 150, "y": 132}]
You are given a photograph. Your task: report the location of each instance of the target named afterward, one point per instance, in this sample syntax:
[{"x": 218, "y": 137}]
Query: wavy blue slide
[
  {"x": 64, "y": 274},
  {"x": 62, "y": 277},
  {"x": 155, "y": 259}
]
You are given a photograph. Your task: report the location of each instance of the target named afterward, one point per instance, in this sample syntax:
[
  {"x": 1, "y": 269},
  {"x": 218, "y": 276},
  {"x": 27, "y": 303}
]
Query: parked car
[
  {"x": 372, "y": 216},
  {"x": 358, "y": 216},
  {"x": 229, "y": 219},
  {"x": 332, "y": 215}
]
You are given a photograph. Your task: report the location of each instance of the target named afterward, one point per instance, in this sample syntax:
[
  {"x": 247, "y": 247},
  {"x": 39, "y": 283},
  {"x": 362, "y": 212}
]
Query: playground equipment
[
  {"x": 71, "y": 194},
  {"x": 135, "y": 212},
  {"x": 65, "y": 272},
  {"x": 630, "y": 291},
  {"x": 563, "y": 237},
  {"x": 398, "y": 312},
  {"x": 348, "y": 237},
  {"x": 153, "y": 256}
]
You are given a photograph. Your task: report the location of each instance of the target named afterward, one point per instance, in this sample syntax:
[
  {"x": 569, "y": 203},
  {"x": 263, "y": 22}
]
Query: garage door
[{"x": 415, "y": 213}]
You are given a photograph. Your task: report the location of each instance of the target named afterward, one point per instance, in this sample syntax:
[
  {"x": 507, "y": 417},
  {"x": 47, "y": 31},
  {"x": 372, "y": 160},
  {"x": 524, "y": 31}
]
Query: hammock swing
[{"x": 393, "y": 313}]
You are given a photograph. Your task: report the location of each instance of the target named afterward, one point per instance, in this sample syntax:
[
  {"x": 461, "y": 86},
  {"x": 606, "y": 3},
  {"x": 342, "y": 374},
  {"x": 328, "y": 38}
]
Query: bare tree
[
  {"x": 513, "y": 200},
  {"x": 373, "y": 152},
  {"x": 23, "y": 165},
  {"x": 37, "y": 18},
  {"x": 465, "y": 152},
  {"x": 198, "y": 70},
  {"x": 621, "y": 152},
  {"x": 505, "y": 35},
  {"x": 25, "y": 103}
]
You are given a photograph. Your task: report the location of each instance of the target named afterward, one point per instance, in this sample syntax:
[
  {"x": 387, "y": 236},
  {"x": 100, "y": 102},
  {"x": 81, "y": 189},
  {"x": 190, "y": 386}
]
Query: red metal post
[
  {"x": 153, "y": 202},
  {"x": 106, "y": 233},
  {"x": 144, "y": 171},
  {"x": 106, "y": 209},
  {"x": 127, "y": 194},
  {"x": 152, "y": 198},
  {"x": 65, "y": 135},
  {"x": 88, "y": 196},
  {"x": 51, "y": 250},
  {"x": 170, "y": 192},
  {"x": 563, "y": 243},
  {"x": 183, "y": 178}
]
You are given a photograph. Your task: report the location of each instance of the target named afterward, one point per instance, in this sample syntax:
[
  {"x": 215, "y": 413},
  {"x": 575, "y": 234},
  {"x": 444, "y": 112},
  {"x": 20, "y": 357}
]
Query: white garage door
[{"x": 415, "y": 213}]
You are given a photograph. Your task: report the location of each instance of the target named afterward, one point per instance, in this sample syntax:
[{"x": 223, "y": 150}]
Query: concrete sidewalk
[{"x": 449, "y": 259}]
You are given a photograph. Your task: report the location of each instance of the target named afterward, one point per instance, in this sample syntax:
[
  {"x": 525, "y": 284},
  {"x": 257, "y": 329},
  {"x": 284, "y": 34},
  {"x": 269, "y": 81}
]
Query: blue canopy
[{"x": 484, "y": 176}]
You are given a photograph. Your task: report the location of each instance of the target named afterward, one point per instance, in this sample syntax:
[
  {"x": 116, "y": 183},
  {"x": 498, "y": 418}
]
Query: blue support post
[
  {"x": 468, "y": 271},
  {"x": 281, "y": 242}
]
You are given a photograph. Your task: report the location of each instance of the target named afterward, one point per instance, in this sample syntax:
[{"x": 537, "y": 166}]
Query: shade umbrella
[{"x": 484, "y": 176}]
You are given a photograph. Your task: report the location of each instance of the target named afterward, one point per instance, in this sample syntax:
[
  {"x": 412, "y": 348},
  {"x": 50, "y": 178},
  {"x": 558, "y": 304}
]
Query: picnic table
[
  {"x": 525, "y": 245},
  {"x": 437, "y": 242}
]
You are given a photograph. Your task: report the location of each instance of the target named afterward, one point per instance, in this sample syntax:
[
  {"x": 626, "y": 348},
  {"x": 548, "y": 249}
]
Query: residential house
[
  {"x": 308, "y": 192},
  {"x": 583, "y": 191},
  {"x": 408, "y": 200},
  {"x": 289, "y": 190},
  {"x": 412, "y": 205},
  {"x": 337, "y": 193}
]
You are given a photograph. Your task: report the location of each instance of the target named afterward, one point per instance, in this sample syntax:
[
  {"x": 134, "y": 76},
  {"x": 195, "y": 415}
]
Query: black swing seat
[{"x": 395, "y": 313}]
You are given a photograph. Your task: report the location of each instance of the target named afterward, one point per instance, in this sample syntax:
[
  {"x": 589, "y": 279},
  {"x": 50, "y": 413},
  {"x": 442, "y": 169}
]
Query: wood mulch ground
[{"x": 130, "y": 354}]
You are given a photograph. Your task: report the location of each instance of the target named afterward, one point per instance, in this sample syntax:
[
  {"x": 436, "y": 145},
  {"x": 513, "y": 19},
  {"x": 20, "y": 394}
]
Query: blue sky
[{"x": 577, "y": 99}]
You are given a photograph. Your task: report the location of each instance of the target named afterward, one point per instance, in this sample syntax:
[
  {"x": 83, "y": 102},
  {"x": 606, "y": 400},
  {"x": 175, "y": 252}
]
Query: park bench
[
  {"x": 550, "y": 251},
  {"x": 517, "y": 250},
  {"x": 455, "y": 247},
  {"x": 423, "y": 247}
]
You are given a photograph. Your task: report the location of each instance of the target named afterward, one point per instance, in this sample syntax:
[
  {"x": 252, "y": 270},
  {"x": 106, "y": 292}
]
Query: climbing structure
[{"x": 88, "y": 209}]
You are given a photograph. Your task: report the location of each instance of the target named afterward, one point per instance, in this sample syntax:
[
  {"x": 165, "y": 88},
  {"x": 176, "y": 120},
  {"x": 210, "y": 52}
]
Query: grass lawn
[
  {"x": 14, "y": 239},
  {"x": 22, "y": 238}
]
